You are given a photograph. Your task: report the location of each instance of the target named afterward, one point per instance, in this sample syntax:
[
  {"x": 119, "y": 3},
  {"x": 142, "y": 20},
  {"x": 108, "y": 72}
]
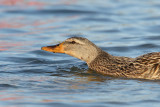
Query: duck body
[{"x": 145, "y": 67}]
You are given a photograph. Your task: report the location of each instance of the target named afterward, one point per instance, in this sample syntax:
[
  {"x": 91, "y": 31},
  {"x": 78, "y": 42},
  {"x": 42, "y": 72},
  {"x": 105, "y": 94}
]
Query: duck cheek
[{"x": 71, "y": 53}]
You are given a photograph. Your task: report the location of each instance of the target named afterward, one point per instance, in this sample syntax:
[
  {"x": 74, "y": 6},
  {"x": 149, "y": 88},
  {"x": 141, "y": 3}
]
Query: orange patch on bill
[{"x": 56, "y": 48}]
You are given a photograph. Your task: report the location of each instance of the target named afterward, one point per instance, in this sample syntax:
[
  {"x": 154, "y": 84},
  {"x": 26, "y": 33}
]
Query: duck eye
[{"x": 73, "y": 42}]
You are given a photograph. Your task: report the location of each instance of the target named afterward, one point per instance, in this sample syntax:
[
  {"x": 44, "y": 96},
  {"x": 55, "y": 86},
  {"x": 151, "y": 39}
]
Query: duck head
[{"x": 78, "y": 47}]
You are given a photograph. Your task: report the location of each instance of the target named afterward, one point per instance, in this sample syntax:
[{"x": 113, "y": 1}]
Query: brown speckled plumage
[{"x": 145, "y": 67}]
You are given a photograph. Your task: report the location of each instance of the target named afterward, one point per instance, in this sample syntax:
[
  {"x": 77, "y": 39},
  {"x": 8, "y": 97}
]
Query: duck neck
[
  {"x": 94, "y": 57},
  {"x": 106, "y": 62}
]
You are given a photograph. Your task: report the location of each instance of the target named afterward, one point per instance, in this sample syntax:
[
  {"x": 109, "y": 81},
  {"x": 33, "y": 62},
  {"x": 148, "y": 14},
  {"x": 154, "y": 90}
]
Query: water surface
[{"x": 32, "y": 77}]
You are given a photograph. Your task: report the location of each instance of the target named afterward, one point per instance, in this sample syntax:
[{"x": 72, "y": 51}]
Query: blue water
[{"x": 31, "y": 77}]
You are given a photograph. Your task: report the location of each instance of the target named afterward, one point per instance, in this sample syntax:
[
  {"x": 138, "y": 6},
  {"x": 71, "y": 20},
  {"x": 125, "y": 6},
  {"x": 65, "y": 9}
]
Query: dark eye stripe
[{"x": 73, "y": 42}]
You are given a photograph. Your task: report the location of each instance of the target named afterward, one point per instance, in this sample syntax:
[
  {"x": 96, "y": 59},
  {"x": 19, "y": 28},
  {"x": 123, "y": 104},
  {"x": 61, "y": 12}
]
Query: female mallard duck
[{"x": 145, "y": 67}]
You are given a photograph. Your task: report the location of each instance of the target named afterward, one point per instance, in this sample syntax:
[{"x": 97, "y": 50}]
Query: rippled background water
[{"x": 31, "y": 77}]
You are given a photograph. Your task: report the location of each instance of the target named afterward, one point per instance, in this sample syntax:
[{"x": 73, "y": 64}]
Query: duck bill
[{"x": 55, "y": 48}]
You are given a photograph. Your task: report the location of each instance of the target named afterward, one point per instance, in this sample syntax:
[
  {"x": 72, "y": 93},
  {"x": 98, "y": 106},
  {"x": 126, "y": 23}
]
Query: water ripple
[
  {"x": 2, "y": 86},
  {"x": 59, "y": 11}
]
